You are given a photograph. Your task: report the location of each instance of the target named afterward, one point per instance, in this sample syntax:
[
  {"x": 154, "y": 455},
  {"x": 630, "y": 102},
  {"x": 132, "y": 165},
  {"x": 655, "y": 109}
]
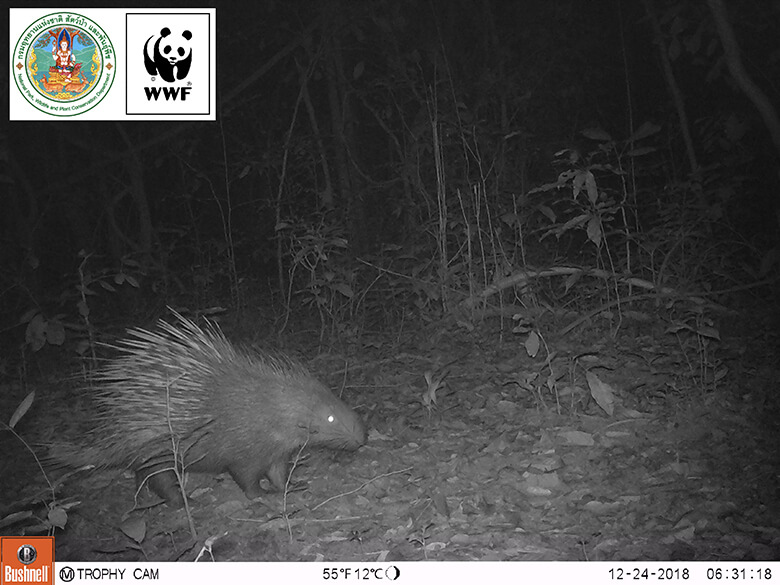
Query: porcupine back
[{"x": 227, "y": 409}]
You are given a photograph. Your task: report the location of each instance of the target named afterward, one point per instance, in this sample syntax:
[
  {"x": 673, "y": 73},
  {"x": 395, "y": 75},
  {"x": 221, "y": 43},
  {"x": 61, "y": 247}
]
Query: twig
[{"x": 357, "y": 489}]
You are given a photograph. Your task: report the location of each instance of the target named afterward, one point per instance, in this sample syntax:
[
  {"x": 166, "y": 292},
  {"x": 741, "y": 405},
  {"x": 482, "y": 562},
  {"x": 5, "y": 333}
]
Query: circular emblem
[
  {"x": 67, "y": 574},
  {"x": 64, "y": 64},
  {"x": 26, "y": 554}
]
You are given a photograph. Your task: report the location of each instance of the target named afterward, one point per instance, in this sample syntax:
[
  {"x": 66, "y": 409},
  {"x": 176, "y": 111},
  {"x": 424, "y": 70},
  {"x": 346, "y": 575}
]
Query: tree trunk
[
  {"x": 743, "y": 79},
  {"x": 674, "y": 88}
]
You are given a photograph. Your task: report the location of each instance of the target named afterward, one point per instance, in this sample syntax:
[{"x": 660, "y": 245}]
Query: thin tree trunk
[
  {"x": 135, "y": 169},
  {"x": 740, "y": 74},
  {"x": 326, "y": 195},
  {"x": 674, "y": 88}
]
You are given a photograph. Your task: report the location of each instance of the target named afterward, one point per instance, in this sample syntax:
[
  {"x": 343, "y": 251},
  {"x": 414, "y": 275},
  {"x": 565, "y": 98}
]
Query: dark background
[{"x": 378, "y": 158}]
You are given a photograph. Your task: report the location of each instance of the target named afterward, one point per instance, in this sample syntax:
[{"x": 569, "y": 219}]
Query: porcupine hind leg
[{"x": 161, "y": 482}]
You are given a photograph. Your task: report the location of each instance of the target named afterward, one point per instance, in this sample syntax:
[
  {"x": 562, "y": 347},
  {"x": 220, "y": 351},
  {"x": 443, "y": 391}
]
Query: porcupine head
[{"x": 298, "y": 412}]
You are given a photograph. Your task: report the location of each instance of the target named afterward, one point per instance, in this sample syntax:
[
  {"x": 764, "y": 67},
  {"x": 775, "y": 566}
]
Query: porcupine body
[{"x": 187, "y": 390}]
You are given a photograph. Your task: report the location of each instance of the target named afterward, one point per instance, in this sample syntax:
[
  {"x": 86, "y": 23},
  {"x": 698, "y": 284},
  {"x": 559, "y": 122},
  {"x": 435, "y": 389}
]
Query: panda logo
[{"x": 168, "y": 54}]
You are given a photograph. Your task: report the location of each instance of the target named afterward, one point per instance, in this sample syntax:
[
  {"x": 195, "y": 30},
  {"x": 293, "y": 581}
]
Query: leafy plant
[
  {"x": 23, "y": 515},
  {"x": 319, "y": 270}
]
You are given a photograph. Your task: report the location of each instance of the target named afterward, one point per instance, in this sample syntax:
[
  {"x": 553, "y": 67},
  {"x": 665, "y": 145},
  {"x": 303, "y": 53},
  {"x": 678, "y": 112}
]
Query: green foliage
[
  {"x": 410, "y": 283},
  {"x": 38, "y": 513},
  {"x": 41, "y": 330},
  {"x": 320, "y": 272},
  {"x": 699, "y": 340},
  {"x": 598, "y": 181}
]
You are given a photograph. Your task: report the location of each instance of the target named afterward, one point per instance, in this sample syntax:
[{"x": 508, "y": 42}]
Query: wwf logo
[{"x": 168, "y": 55}]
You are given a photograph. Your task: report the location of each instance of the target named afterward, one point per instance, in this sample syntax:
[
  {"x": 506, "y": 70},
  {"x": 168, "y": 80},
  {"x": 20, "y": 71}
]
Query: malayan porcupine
[{"x": 187, "y": 390}]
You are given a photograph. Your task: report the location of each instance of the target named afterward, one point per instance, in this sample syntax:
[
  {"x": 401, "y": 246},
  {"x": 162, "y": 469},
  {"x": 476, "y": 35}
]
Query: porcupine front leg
[
  {"x": 277, "y": 474},
  {"x": 247, "y": 477}
]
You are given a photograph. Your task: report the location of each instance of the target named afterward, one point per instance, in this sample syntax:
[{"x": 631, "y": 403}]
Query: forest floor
[{"x": 517, "y": 460}]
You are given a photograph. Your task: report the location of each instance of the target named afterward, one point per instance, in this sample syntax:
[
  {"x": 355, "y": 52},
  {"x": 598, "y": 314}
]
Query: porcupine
[{"x": 226, "y": 408}]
